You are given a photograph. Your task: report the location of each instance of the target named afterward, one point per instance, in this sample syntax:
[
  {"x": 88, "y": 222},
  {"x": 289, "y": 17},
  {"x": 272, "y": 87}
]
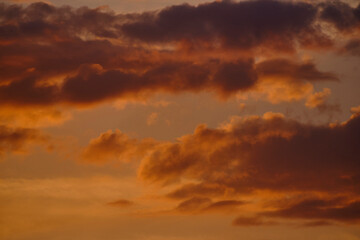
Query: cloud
[
  {"x": 224, "y": 205},
  {"x": 64, "y": 56},
  {"x": 352, "y": 47},
  {"x": 341, "y": 15},
  {"x": 202, "y": 189},
  {"x": 250, "y": 221},
  {"x": 33, "y": 117},
  {"x": 44, "y": 21},
  {"x": 246, "y": 157},
  {"x": 93, "y": 84},
  {"x": 284, "y": 68},
  {"x": 193, "y": 204},
  {"x": 355, "y": 110},
  {"x": 260, "y": 153},
  {"x": 15, "y": 140},
  {"x": 332, "y": 209},
  {"x": 206, "y": 205},
  {"x": 282, "y": 80},
  {"x": 319, "y": 100},
  {"x": 269, "y": 154},
  {"x": 246, "y": 24},
  {"x": 115, "y": 146},
  {"x": 121, "y": 203}
]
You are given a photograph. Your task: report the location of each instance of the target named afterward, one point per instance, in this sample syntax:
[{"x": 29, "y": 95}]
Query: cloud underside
[
  {"x": 60, "y": 55},
  {"x": 312, "y": 171}
]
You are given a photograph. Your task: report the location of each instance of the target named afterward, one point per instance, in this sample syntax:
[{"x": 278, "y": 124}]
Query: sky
[{"x": 173, "y": 120}]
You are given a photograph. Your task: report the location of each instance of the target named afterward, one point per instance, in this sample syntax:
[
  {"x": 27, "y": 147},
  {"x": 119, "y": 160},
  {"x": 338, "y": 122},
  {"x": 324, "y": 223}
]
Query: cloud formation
[
  {"x": 268, "y": 152},
  {"x": 250, "y": 155},
  {"x": 60, "y": 55},
  {"x": 121, "y": 203},
  {"x": 92, "y": 83},
  {"x": 15, "y": 140},
  {"x": 115, "y": 146},
  {"x": 230, "y": 24},
  {"x": 320, "y": 209}
]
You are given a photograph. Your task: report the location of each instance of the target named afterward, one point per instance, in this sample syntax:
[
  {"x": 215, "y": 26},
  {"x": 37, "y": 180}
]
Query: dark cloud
[
  {"x": 269, "y": 153},
  {"x": 62, "y": 58},
  {"x": 293, "y": 70},
  {"x": 248, "y": 24},
  {"x": 55, "y": 55},
  {"x": 43, "y": 21},
  {"x": 92, "y": 83},
  {"x": 340, "y": 14},
  {"x": 320, "y": 209},
  {"x": 352, "y": 47},
  {"x": 271, "y": 24}
]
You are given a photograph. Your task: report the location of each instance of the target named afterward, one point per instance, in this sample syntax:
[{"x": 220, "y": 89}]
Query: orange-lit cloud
[
  {"x": 33, "y": 117},
  {"x": 206, "y": 205},
  {"x": 320, "y": 209},
  {"x": 319, "y": 100},
  {"x": 249, "y": 155},
  {"x": 121, "y": 203},
  {"x": 251, "y": 221},
  {"x": 16, "y": 140},
  {"x": 93, "y": 83},
  {"x": 115, "y": 146},
  {"x": 59, "y": 55},
  {"x": 256, "y": 170}
]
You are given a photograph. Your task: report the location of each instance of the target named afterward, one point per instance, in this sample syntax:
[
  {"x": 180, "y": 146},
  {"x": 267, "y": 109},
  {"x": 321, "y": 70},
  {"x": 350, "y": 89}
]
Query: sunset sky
[{"x": 173, "y": 120}]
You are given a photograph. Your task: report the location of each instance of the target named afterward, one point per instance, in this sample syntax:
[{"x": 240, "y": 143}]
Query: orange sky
[{"x": 154, "y": 120}]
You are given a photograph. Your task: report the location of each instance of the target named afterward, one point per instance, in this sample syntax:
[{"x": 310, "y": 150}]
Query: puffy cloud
[
  {"x": 341, "y": 15},
  {"x": 92, "y": 83},
  {"x": 115, "y": 145},
  {"x": 273, "y": 154},
  {"x": 245, "y": 24},
  {"x": 248, "y": 154},
  {"x": 60, "y": 55},
  {"x": 239, "y": 161},
  {"x": 260, "y": 153},
  {"x": 43, "y": 21}
]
